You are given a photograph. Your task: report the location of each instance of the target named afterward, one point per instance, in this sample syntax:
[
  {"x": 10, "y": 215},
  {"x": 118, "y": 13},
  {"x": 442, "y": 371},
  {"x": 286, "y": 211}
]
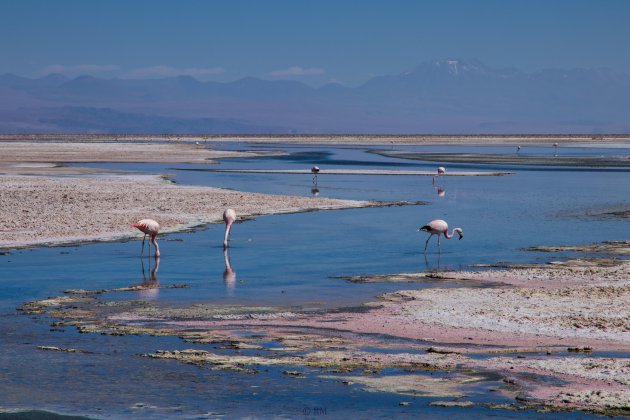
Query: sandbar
[
  {"x": 359, "y": 172},
  {"x": 621, "y": 161},
  {"x": 41, "y": 210},
  {"x": 25, "y": 154}
]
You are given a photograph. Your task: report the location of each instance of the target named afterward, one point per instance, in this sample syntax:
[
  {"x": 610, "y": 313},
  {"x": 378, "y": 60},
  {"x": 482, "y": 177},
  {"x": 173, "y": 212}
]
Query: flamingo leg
[
  {"x": 439, "y": 244},
  {"x": 142, "y": 249},
  {"x": 426, "y": 244}
]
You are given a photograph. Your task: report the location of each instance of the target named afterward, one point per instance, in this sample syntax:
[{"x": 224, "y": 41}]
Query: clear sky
[{"x": 314, "y": 41}]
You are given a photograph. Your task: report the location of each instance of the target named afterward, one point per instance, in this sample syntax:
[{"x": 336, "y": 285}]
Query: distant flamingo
[
  {"x": 440, "y": 171},
  {"x": 438, "y": 227},
  {"x": 149, "y": 227},
  {"x": 518, "y": 149},
  {"x": 315, "y": 171},
  {"x": 229, "y": 216},
  {"x": 555, "y": 148}
]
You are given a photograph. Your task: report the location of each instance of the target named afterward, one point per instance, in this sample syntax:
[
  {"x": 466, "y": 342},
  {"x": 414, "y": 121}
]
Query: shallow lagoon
[{"x": 287, "y": 260}]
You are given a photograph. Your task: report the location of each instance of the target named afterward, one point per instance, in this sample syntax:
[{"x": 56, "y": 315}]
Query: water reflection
[
  {"x": 314, "y": 191},
  {"x": 150, "y": 281},
  {"x": 441, "y": 192},
  {"x": 229, "y": 276},
  {"x": 436, "y": 268}
]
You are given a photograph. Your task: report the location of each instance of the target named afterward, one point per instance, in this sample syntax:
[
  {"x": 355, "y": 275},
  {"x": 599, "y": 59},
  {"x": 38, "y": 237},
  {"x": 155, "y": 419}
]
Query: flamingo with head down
[
  {"x": 439, "y": 227},
  {"x": 149, "y": 227}
]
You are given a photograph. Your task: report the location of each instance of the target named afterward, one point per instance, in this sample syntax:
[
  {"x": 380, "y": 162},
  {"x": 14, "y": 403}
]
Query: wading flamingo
[
  {"x": 149, "y": 227},
  {"x": 438, "y": 227},
  {"x": 440, "y": 171},
  {"x": 315, "y": 171},
  {"x": 555, "y": 149},
  {"x": 229, "y": 216}
]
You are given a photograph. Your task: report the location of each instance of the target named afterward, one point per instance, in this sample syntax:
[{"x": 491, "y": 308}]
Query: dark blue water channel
[{"x": 287, "y": 260}]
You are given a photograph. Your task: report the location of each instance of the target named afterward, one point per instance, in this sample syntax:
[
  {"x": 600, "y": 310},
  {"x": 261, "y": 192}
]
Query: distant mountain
[{"x": 446, "y": 96}]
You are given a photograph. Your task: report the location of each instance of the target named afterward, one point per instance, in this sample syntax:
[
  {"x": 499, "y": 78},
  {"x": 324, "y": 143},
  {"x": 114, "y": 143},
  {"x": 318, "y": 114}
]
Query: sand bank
[
  {"x": 621, "y": 161},
  {"x": 36, "y": 210},
  {"x": 359, "y": 172},
  {"x": 20, "y": 152}
]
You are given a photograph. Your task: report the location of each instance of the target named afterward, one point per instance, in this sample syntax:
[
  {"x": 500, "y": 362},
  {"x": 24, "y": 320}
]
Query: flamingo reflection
[
  {"x": 150, "y": 283},
  {"x": 314, "y": 191},
  {"x": 229, "y": 276}
]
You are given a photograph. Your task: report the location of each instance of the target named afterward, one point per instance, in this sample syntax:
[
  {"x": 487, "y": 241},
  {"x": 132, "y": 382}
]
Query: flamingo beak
[{"x": 461, "y": 236}]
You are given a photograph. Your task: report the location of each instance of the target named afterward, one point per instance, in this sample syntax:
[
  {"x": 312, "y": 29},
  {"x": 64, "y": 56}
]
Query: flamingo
[
  {"x": 149, "y": 227},
  {"x": 555, "y": 148},
  {"x": 440, "y": 171},
  {"x": 518, "y": 149},
  {"x": 315, "y": 171},
  {"x": 229, "y": 216},
  {"x": 438, "y": 227}
]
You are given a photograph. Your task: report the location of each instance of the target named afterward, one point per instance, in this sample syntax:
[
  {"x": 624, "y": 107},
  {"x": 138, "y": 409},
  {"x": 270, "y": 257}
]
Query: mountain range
[{"x": 446, "y": 96}]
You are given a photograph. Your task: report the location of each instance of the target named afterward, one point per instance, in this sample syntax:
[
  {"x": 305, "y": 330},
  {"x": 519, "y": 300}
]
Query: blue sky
[{"x": 312, "y": 41}]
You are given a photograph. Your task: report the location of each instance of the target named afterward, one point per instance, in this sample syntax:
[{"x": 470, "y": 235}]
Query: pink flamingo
[
  {"x": 229, "y": 216},
  {"x": 315, "y": 171},
  {"x": 149, "y": 227},
  {"x": 440, "y": 171},
  {"x": 438, "y": 227}
]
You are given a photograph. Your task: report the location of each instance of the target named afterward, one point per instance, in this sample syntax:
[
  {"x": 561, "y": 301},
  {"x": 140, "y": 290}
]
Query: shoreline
[{"x": 74, "y": 210}]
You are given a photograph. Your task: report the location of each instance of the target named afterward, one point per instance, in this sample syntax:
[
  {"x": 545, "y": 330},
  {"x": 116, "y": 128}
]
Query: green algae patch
[
  {"x": 464, "y": 404},
  {"x": 62, "y": 349},
  {"x": 123, "y": 289},
  {"x": 413, "y": 385},
  {"x": 338, "y": 361}
]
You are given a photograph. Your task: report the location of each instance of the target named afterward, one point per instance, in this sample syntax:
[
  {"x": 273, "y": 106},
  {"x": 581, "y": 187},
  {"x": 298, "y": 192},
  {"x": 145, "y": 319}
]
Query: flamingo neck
[
  {"x": 157, "y": 248},
  {"x": 449, "y": 235},
  {"x": 227, "y": 234}
]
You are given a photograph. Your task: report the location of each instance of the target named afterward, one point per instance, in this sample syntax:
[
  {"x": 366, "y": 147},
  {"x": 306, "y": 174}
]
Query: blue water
[{"x": 288, "y": 260}]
